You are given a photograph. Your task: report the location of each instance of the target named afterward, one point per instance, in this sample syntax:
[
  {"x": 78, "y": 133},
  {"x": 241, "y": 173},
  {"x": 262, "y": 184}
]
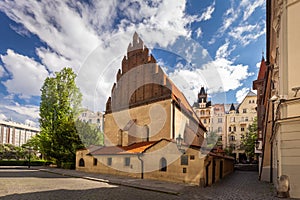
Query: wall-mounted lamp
[
  {"x": 179, "y": 141},
  {"x": 295, "y": 89},
  {"x": 256, "y": 144},
  {"x": 275, "y": 97}
]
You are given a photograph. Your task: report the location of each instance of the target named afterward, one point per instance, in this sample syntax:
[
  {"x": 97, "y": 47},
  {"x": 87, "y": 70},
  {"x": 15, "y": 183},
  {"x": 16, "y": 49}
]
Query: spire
[
  {"x": 202, "y": 91},
  {"x": 232, "y": 108}
]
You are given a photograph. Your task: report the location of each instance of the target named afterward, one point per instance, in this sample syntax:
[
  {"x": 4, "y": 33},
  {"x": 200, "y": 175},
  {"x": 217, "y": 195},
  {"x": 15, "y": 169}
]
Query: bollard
[{"x": 283, "y": 187}]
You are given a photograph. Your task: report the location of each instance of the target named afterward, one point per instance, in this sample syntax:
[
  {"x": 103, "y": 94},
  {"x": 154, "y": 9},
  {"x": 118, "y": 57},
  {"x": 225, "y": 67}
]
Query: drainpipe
[
  {"x": 142, "y": 164},
  {"x": 271, "y": 153}
]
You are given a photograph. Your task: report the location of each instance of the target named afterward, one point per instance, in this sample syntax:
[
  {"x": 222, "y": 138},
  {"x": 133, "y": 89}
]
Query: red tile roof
[
  {"x": 131, "y": 149},
  {"x": 262, "y": 69}
]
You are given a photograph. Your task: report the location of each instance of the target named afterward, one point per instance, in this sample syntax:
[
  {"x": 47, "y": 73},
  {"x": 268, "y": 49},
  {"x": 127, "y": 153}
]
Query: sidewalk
[{"x": 145, "y": 184}]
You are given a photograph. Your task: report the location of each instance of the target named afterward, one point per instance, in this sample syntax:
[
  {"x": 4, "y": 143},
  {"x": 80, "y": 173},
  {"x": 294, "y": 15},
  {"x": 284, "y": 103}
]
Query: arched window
[
  {"x": 163, "y": 165},
  {"x": 202, "y": 112},
  {"x": 81, "y": 162}
]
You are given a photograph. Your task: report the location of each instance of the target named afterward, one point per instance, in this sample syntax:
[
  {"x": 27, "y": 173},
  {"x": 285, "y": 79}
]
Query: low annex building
[{"x": 150, "y": 129}]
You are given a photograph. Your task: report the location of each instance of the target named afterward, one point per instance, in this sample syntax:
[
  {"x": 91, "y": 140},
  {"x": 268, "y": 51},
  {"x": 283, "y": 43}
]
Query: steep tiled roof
[
  {"x": 262, "y": 69},
  {"x": 251, "y": 94},
  {"x": 131, "y": 149}
]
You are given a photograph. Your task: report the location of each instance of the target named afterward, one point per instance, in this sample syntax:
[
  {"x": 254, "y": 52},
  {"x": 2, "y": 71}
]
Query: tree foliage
[
  {"x": 89, "y": 133},
  {"x": 212, "y": 139},
  {"x": 248, "y": 140},
  {"x": 59, "y": 107}
]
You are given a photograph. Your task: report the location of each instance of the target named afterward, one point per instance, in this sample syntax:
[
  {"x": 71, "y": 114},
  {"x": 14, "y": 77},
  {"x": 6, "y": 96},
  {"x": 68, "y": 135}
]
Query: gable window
[
  {"x": 244, "y": 110},
  {"x": 127, "y": 161},
  {"x": 163, "y": 165},
  {"x": 109, "y": 161}
]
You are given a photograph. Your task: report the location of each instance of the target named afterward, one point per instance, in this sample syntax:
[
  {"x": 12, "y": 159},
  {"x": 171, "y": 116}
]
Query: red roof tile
[{"x": 262, "y": 70}]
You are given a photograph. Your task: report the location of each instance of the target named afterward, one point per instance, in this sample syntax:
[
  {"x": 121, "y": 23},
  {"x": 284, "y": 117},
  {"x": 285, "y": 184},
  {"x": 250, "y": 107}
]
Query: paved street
[{"x": 35, "y": 184}]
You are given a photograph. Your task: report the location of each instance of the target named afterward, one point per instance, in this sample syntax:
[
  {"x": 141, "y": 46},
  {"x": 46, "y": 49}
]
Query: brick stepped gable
[{"x": 144, "y": 70}]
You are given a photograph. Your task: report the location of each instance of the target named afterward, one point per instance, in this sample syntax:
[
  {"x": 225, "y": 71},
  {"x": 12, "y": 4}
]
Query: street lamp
[
  {"x": 257, "y": 144},
  {"x": 179, "y": 141},
  {"x": 29, "y": 155}
]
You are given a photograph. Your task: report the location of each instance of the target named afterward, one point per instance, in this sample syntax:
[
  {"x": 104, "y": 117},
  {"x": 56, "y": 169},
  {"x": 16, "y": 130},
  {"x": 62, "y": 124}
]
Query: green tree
[
  {"x": 59, "y": 107},
  {"x": 212, "y": 139},
  {"x": 89, "y": 133},
  {"x": 248, "y": 140}
]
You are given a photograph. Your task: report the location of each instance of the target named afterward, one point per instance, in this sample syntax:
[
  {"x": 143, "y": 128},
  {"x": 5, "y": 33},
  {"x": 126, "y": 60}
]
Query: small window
[
  {"x": 109, "y": 161},
  {"x": 184, "y": 170},
  {"x": 192, "y": 157},
  {"x": 81, "y": 162},
  {"x": 244, "y": 110},
  {"x": 184, "y": 160},
  {"x": 246, "y": 119},
  {"x": 219, "y": 120},
  {"x": 229, "y": 129},
  {"x": 163, "y": 165},
  {"x": 219, "y": 129},
  {"x": 234, "y": 128},
  {"x": 242, "y": 129},
  {"x": 98, "y": 121},
  {"x": 95, "y": 161},
  {"x": 204, "y": 121},
  {"x": 127, "y": 161}
]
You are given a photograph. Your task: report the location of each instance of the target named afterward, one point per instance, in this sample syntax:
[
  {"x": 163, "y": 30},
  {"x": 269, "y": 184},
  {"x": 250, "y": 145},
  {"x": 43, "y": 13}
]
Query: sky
[{"x": 215, "y": 44}]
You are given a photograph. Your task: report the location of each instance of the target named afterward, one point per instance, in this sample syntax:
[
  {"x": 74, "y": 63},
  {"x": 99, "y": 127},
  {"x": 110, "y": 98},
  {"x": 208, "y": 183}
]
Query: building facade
[
  {"x": 91, "y": 117},
  {"x": 15, "y": 133},
  {"x": 150, "y": 129},
  {"x": 203, "y": 109},
  {"x": 279, "y": 85},
  {"x": 237, "y": 123}
]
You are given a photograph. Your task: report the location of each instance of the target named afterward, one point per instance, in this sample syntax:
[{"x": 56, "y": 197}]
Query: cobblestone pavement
[{"x": 34, "y": 184}]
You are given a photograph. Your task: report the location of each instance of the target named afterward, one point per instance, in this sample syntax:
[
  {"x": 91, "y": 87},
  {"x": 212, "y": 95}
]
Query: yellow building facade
[
  {"x": 150, "y": 129},
  {"x": 281, "y": 123}
]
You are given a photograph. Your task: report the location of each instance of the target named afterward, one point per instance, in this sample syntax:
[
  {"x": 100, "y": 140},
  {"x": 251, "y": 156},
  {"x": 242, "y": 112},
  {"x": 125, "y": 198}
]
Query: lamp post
[
  {"x": 179, "y": 141},
  {"x": 256, "y": 144},
  {"x": 29, "y": 155}
]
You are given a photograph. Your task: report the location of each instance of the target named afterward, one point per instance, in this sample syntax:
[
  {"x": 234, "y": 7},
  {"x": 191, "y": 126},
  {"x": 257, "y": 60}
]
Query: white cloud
[
  {"x": 249, "y": 7},
  {"x": 27, "y": 110},
  {"x": 2, "y": 71},
  {"x": 223, "y": 73},
  {"x": 220, "y": 75},
  {"x": 223, "y": 51},
  {"x": 258, "y": 65},
  {"x": 27, "y": 74},
  {"x": 247, "y": 33},
  {"x": 206, "y": 15},
  {"x": 2, "y": 117},
  {"x": 204, "y": 53},
  {"x": 30, "y": 123},
  {"x": 74, "y": 31},
  {"x": 240, "y": 95},
  {"x": 198, "y": 32}
]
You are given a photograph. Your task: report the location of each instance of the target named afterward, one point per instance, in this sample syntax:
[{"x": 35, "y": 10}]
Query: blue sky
[{"x": 217, "y": 44}]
